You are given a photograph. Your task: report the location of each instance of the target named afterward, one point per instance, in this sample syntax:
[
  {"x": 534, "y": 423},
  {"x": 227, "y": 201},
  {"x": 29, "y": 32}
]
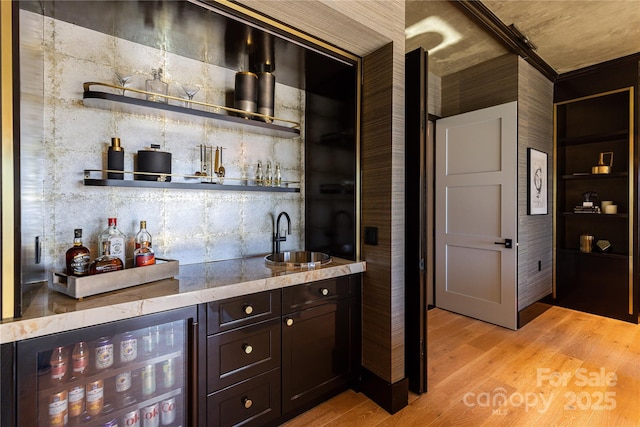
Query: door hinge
[
  {"x": 423, "y": 349},
  {"x": 421, "y": 264}
]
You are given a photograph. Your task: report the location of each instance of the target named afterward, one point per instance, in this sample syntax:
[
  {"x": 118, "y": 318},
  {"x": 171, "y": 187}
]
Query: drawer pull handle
[
  {"x": 289, "y": 321},
  {"x": 324, "y": 291},
  {"x": 248, "y": 403},
  {"x": 247, "y": 348},
  {"x": 248, "y": 309}
]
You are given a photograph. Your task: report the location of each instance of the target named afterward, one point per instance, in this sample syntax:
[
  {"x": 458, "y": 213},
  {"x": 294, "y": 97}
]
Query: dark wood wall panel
[
  {"x": 490, "y": 83},
  {"x": 376, "y": 143}
]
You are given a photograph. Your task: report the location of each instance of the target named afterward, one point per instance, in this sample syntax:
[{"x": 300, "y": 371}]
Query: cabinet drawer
[
  {"x": 240, "y": 311},
  {"x": 242, "y": 353},
  {"x": 253, "y": 402},
  {"x": 315, "y": 293}
]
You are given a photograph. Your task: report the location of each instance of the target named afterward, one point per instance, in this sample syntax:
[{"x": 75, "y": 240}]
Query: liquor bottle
[
  {"x": 277, "y": 179},
  {"x": 80, "y": 359},
  {"x": 157, "y": 86},
  {"x": 116, "y": 239},
  {"x": 143, "y": 256},
  {"x": 59, "y": 364},
  {"x": 106, "y": 262},
  {"x": 268, "y": 176},
  {"x": 78, "y": 257},
  {"x": 259, "y": 173},
  {"x": 143, "y": 235}
]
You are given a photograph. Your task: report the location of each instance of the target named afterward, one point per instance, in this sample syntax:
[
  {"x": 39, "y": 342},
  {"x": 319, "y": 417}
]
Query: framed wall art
[{"x": 537, "y": 182}]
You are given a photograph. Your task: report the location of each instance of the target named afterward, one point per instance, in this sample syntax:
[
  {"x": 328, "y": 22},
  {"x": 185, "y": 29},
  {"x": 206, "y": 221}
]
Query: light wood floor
[{"x": 562, "y": 364}]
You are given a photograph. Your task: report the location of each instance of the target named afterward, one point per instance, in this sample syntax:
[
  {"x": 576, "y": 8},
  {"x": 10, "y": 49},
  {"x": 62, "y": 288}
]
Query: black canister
[
  {"x": 115, "y": 159},
  {"x": 266, "y": 92},
  {"x": 246, "y": 93},
  {"x": 154, "y": 161}
]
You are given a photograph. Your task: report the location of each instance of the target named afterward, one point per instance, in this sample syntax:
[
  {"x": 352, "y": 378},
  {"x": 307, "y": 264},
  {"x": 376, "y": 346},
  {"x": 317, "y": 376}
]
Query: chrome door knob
[
  {"x": 288, "y": 321},
  {"x": 248, "y": 309},
  {"x": 247, "y": 348},
  {"x": 324, "y": 291}
]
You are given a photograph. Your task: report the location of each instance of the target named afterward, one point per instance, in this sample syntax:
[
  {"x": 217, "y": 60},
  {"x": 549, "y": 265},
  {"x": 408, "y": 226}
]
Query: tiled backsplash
[{"x": 189, "y": 225}]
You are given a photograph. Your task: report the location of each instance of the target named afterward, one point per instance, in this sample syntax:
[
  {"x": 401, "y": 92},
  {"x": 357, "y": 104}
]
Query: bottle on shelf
[
  {"x": 143, "y": 235},
  {"x": 116, "y": 239},
  {"x": 268, "y": 176},
  {"x": 277, "y": 179},
  {"x": 106, "y": 262},
  {"x": 80, "y": 359},
  {"x": 259, "y": 173},
  {"x": 115, "y": 159},
  {"x": 59, "y": 364},
  {"x": 170, "y": 337},
  {"x": 78, "y": 257},
  {"x": 157, "y": 86},
  {"x": 144, "y": 256},
  {"x": 151, "y": 340}
]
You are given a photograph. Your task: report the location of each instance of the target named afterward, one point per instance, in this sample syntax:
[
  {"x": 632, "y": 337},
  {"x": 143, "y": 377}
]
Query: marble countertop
[{"x": 47, "y": 312}]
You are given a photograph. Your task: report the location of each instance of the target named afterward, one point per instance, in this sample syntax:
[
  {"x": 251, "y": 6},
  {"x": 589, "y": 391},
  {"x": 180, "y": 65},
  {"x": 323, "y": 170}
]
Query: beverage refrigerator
[{"x": 139, "y": 372}]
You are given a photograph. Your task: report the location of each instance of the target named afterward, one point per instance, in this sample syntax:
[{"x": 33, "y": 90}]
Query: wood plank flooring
[{"x": 565, "y": 368}]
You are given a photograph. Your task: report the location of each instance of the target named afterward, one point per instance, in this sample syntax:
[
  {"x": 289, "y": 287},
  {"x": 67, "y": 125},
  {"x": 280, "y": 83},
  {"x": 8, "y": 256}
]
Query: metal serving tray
[{"x": 80, "y": 287}]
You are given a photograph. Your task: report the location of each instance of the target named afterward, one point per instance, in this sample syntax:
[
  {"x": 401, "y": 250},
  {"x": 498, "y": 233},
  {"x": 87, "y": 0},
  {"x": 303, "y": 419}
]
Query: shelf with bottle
[
  {"x": 196, "y": 110},
  {"x": 191, "y": 182}
]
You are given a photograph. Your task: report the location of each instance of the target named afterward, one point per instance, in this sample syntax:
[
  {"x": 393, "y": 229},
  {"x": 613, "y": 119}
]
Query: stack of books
[{"x": 587, "y": 209}]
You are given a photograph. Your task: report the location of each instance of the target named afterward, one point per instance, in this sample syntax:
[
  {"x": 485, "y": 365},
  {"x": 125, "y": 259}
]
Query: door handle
[{"x": 508, "y": 243}]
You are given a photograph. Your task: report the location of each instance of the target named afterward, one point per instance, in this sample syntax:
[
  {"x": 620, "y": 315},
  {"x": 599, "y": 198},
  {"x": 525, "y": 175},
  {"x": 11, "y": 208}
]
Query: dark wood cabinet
[
  {"x": 320, "y": 341},
  {"x": 243, "y": 360},
  {"x": 272, "y": 355},
  {"x": 591, "y": 130}
]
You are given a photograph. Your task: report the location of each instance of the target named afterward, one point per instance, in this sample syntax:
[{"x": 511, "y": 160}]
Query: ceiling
[{"x": 568, "y": 34}]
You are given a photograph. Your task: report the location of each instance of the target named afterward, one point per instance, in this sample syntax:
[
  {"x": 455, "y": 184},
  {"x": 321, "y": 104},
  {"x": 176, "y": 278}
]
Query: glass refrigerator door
[{"x": 130, "y": 373}]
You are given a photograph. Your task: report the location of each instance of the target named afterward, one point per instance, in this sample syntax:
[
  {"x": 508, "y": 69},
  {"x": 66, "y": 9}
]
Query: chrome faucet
[{"x": 277, "y": 238}]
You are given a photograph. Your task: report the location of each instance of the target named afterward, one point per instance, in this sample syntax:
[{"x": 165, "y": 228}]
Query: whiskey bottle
[
  {"x": 143, "y": 235},
  {"x": 157, "y": 86},
  {"x": 116, "y": 240},
  {"x": 106, "y": 262},
  {"x": 78, "y": 257},
  {"x": 144, "y": 255}
]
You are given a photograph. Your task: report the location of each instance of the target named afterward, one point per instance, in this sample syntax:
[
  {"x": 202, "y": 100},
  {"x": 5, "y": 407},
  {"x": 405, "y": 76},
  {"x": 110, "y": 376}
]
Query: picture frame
[{"x": 537, "y": 188}]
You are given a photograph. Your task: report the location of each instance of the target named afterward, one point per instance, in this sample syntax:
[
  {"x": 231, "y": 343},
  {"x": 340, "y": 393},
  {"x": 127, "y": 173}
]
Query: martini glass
[
  {"x": 190, "y": 90},
  {"x": 123, "y": 79}
]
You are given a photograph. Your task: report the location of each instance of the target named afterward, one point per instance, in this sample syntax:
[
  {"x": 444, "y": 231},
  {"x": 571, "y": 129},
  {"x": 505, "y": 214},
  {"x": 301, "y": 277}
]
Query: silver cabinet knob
[
  {"x": 247, "y": 402},
  {"x": 247, "y": 348},
  {"x": 248, "y": 309},
  {"x": 324, "y": 291},
  {"x": 288, "y": 321}
]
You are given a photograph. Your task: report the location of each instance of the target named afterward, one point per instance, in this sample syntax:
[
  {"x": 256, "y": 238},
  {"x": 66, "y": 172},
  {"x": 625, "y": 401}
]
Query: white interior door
[{"x": 476, "y": 214}]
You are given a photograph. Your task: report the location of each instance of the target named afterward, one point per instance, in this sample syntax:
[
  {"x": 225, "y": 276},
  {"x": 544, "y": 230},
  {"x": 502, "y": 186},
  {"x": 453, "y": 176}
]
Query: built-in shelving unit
[{"x": 595, "y": 281}]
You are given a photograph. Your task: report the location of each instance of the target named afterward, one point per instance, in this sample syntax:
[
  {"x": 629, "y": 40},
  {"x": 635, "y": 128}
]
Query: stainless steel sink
[{"x": 297, "y": 259}]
